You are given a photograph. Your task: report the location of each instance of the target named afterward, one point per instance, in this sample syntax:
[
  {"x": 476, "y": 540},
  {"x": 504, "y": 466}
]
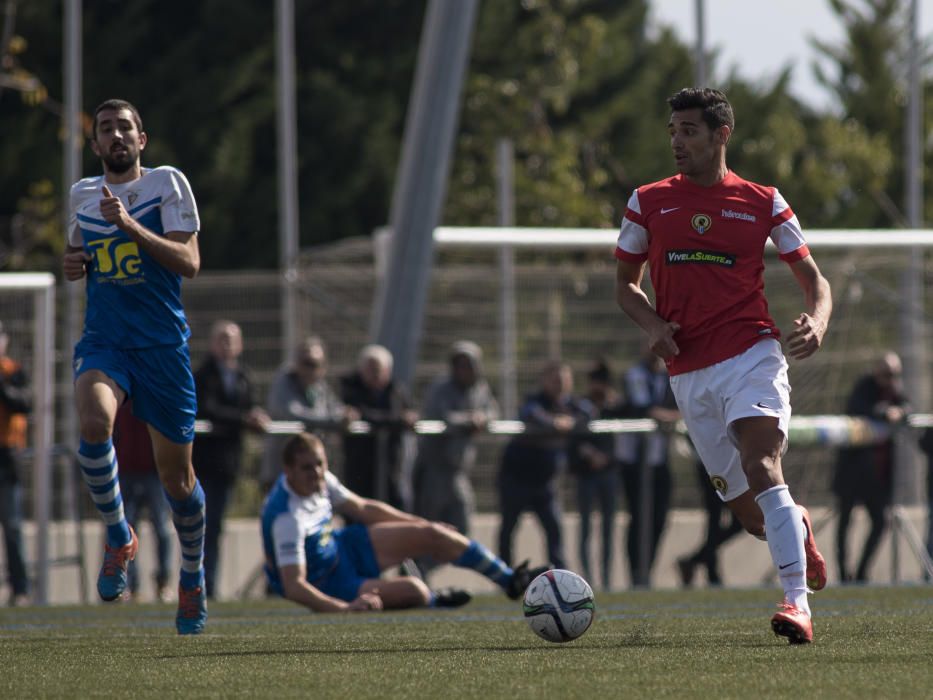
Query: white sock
[{"x": 785, "y": 531}]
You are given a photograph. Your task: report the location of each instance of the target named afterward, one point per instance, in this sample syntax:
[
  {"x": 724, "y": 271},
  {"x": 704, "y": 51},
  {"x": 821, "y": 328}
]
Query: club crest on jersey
[
  {"x": 701, "y": 223},
  {"x": 719, "y": 484},
  {"x": 131, "y": 197}
]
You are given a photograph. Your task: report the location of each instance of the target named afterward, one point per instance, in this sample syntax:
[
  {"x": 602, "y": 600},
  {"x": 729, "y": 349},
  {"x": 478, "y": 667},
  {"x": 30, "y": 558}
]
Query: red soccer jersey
[{"x": 705, "y": 252}]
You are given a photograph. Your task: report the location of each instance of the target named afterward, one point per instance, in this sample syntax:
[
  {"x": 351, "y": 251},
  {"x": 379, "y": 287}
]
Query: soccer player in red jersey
[{"x": 702, "y": 234}]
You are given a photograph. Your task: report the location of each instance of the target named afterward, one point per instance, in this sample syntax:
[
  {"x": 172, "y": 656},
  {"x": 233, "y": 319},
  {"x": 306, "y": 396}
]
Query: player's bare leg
[
  {"x": 760, "y": 443},
  {"x": 186, "y": 499},
  {"x": 402, "y": 592},
  {"x": 97, "y": 398},
  {"x": 395, "y": 541}
]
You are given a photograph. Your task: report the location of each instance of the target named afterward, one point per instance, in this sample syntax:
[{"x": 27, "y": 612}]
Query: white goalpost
[{"x": 27, "y": 309}]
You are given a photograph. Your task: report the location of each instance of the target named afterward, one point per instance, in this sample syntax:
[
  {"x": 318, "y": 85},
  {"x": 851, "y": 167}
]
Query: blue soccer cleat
[
  {"x": 111, "y": 581},
  {"x": 192, "y": 610}
]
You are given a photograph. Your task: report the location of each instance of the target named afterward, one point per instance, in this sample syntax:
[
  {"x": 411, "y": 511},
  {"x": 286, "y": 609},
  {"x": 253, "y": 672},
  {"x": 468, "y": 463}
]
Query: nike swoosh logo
[
  {"x": 761, "y": 405},
  {"x": 668, "y": 211},
  {"x": 786, "y": 565}
]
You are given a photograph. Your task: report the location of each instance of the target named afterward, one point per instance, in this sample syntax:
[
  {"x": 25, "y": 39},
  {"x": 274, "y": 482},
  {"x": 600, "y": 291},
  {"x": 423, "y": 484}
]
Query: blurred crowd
[{"x": 431, "y": 474}]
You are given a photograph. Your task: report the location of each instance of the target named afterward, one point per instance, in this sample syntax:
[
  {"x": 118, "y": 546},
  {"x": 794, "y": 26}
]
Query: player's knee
[
  {"x": 96, "y": 428},
  {"x": 415, "y": 594},
  {"x": 178, "y": 483}
]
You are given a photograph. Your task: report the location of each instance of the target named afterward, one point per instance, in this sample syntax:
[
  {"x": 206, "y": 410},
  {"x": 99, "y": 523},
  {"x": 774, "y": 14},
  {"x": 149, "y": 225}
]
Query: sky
[{"x": 748, "y": 36}]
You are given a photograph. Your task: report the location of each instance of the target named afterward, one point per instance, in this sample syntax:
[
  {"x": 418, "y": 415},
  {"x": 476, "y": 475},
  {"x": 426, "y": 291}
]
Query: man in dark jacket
[
  {"x": 533, "y": 460},
  {"x": 463, "y": 399},
  {"x": 373, "y": 462},
  {"x": 226, "y": 399},
  {"x": 865, "y": 474}
]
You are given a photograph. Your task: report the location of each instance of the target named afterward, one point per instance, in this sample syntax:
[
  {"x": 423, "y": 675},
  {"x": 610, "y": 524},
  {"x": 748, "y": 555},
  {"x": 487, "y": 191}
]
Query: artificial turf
[{"x": 870, "y": 642}]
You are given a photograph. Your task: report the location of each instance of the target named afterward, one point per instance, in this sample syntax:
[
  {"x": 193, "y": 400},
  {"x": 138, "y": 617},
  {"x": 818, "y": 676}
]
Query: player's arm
[
  {"x": 298, "y": 590},
  {"x": 176, "y": 250},
  {"x": 369, "y": 511},
  {"x": 810, "y": 327},
  {"x": 632, "y": 299}
]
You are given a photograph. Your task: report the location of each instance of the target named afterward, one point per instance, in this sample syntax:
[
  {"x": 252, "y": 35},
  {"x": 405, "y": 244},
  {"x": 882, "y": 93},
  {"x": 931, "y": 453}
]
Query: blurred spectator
[
  {"x": 593, "y": 463},
  {"x": 300, "y": 392},
  {"x": 142, "y": 488},
  {"x": 464, "y": 401},
  {"x": 15, "y": 403},
  {"x": 532, "y": 461},
  {"x": 226, "y": 399},
  {"x": 373, "y": 463},
  {"x": 866, "y": 474},
  {"x": 717, "y": 534},
  {"x": 648, "y": 394}
]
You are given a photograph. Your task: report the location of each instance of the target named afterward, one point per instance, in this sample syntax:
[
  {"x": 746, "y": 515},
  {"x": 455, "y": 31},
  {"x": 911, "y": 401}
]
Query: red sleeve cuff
[
  {"x": 795, "y": 255},
  {"x": 630, "y": 257}
]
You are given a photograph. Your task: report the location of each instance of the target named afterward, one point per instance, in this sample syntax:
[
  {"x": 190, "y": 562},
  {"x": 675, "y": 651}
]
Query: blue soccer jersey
[
  {"x": 132, "y": 300},
  {"x": 299, "y": 530}
]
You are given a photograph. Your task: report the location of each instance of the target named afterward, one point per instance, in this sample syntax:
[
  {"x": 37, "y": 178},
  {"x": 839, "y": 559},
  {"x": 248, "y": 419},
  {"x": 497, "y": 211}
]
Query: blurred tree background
[{"x": 578, "y": 85}]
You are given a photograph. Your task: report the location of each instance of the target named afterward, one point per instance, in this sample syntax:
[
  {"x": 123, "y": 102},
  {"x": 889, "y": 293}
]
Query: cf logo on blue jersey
[{"x": 117, "y": 258}]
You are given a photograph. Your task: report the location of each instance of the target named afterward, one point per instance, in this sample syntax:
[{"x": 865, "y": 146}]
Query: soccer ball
[{"x": 559, "y": 605}]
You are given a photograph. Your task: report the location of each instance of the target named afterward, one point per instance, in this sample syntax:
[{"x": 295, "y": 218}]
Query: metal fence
[{"x": 564, "y": 307}]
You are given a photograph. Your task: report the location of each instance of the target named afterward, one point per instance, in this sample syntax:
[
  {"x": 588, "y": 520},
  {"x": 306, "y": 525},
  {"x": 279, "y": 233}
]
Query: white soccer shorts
[{"x": 711, "y": 399}]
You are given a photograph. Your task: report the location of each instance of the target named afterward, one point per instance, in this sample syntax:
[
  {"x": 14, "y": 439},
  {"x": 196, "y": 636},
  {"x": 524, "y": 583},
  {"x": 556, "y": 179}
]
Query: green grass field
[{"x": 869, "y": 643}]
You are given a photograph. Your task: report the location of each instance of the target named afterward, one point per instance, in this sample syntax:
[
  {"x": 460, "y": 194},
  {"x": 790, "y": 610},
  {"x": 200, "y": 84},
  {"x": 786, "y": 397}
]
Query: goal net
[{"x": 27, "y": 311}]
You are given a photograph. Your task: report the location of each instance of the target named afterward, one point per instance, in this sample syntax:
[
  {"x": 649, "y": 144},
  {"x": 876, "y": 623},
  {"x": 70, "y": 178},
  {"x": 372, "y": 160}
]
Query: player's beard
[{"x": 120, "y": 161}]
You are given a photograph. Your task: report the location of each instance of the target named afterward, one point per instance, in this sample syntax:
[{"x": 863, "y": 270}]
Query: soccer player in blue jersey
[
  {"x": 132, "y": 236},
  {"x": 329, "y": 569}
]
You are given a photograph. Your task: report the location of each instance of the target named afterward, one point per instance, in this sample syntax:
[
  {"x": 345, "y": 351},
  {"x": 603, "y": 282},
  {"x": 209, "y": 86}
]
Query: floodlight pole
[
  {"x": 701, "y": 65},
  {"x": 421, "y": 181},
  {"x": 73, "y": 143},
  {"x": 913, "y": 341},
  {"x": 287, "y": 170},
  {"x": 507, "y": 344}
]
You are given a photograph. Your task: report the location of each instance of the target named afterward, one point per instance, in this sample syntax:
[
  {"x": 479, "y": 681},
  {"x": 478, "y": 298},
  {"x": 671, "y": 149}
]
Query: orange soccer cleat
[
  {"x": 793, "y": 623},
  {"x": 816, "y": 565},
  {"x": 111, "y": 582}
]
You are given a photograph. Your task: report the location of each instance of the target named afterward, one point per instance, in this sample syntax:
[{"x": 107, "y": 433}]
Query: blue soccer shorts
[
  {"x": 356, "y": 563},
  {"x": 159, "y": 380}
]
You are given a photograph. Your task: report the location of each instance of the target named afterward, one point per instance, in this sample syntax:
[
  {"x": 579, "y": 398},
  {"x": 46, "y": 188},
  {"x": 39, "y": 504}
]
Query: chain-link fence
[{"x": 564, "y": 308}]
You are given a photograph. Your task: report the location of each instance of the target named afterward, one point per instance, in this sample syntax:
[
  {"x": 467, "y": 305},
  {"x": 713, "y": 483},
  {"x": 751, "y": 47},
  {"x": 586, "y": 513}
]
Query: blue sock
[
  {"x": 188, "y": 516},
  {"x": 480, "y": 559},
  {"x": 99, "y": 468}
]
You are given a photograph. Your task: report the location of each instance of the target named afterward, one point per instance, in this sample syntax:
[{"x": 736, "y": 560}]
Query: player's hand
[
  {"x": 366, "y": 602},
  {"x": 74, "y": 265},
  {"x": 806, "y": 338},
  {"x": 661, "y": 340},
  {"x": 113, "y": 211}
]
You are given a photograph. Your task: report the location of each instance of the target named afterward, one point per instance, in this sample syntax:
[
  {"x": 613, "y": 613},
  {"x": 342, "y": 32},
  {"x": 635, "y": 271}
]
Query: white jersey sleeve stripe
[
  {"x": 787, "y": 236},
  {"x": 289, "y": 544},
  {"x": 778, "y": 204},
  {"x": 633, "y": 237}
]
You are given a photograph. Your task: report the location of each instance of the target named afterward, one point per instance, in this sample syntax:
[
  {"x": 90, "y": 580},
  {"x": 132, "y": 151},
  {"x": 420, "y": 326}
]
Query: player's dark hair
[
  {"x": 717, "y": 111},
  {"x": 303, "y": 443},
  {"x": 116, "y": 105}
]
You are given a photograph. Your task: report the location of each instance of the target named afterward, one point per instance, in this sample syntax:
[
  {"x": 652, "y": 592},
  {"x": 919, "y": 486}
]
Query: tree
[
  {"x": 575, "y": 86},
  {"x": 870, "y": 81}
]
